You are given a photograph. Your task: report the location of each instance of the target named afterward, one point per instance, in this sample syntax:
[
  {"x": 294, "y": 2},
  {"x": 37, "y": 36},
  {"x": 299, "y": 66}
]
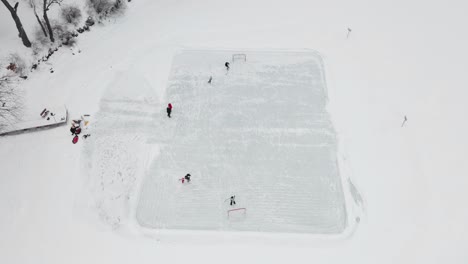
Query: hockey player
[
  {"x": 169, "y": 110},
  {"x": 233, "y": 201},
  {"x": 187, "y": 177}
]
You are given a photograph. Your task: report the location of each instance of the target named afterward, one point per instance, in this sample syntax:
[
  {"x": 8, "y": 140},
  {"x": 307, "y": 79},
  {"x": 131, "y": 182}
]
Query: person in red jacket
[{"x": 169, "y": 110}]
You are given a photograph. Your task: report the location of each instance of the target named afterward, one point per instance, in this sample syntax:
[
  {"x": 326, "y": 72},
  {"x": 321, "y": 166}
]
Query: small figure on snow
[
  {"x": 169, "y": 110},
  {"x": 187, "y": 177},
  {"x": 73, "y": 130},
  {"x": 87, "y": 135},
  {"x": 211, "y": 78},
  {"x": 233, "y": 201},
  {"x": 227, "y": 65},
  {"x": 404, "y": 121}
]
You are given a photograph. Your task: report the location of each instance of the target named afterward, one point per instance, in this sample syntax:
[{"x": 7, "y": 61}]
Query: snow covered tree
[
  {"x": 46, "y": 6},
  {"x": 33, "y": 5},
  {"x": 19, "y": 25}
]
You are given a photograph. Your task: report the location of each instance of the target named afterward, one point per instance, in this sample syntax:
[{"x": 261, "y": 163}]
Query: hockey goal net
[
  {"x": 239, "y": 57},
  {"x": 237, "y": 214}
]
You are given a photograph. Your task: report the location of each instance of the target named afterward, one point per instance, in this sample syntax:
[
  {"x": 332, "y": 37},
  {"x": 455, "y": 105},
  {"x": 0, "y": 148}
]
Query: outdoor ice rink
[{"x": 259, "y": 131}]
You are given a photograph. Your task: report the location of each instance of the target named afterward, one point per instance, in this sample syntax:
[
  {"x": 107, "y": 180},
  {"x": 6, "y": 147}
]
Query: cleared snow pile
[{"x": 114, "y": 155}]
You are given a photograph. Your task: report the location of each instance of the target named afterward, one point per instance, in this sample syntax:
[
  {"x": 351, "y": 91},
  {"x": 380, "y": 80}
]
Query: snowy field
[
  {"x": 259, "y": 131},
  {"x": 77, "y": 203}
]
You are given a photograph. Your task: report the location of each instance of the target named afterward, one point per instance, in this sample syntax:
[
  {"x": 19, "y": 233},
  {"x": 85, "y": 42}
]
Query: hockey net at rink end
[
  {"x": 237, "y": 213},
  {"x": 239, "y": 57}
]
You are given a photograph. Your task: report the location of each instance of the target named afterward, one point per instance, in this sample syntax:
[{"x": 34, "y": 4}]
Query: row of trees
[
  {"x": 46, "y": 4},
  {"x": 71, "y": 14}
]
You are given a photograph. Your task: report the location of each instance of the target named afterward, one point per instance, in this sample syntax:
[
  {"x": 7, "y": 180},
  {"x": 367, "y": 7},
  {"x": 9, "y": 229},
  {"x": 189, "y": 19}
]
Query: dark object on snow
[
  {"x": 12, "y": 67},
  {"x": 34, "y": 66},
  {"x": 73, "y": 130},
  {"x": 89, "y": 22},
  {"x": 211, "y": 78},
  {"x": 24, "y": 77},
  {"x": 87, "y": 135},
  {"x": 169, "y": 110},
  {"x": 187, "y": 177},
  {"x": 233, "y": 202},
  {"x": 75, "y": 139},
  {"x": 227, "y": 65},
  {"x": 404, "y": 121},
  {"x": 77, "y": 130},
  {"x": 44, "y": 113}
]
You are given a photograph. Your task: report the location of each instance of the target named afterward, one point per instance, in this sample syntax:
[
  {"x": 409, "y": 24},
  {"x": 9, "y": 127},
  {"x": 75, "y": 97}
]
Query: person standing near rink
[
  {"x": 227, "y": 65},
  {"x": 233, "y": 202},
  {"x": 169, "y": 110}
]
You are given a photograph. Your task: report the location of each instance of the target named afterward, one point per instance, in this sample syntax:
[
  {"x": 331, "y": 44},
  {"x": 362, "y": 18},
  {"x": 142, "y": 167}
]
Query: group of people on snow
[{"x": 75, "y": 130}]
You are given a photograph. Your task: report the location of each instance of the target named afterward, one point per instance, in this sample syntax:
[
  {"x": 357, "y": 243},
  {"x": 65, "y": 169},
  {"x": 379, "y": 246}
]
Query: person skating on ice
[
  {"x": 187, "y": 177},
  {"x": 233, "y": 201}
]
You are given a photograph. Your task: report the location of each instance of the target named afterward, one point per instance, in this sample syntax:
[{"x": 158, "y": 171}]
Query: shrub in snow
[
  {"x": 40, "y": 39},
  {"x": 64, "y": 35},
  {"x": 104, "y": 8},
  {"x": 10, "y": 102},
  {"x": 99, "y": 7},
  {"x": 71, "y": 14},
  {"x": 16, "y": 64}
]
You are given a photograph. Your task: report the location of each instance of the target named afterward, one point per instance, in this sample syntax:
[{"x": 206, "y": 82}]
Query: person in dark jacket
[
  {"x": 233, "y": 201},
  {"x": 187, "y": 177},
  {"x": 169, "y": 110},
  {"x": 227, "y": 65}
]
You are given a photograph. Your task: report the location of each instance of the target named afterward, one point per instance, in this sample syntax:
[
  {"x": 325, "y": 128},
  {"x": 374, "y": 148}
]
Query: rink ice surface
[{"x": 260, "y": 132}]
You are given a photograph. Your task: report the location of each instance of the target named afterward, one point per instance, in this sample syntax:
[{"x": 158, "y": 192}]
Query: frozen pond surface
[{"x": 259, "y": 131}]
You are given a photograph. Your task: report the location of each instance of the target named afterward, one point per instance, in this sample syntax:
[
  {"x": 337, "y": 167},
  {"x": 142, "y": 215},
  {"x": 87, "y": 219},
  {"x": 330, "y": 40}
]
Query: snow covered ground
[
  {"x": 401, "y": 58},
  {"x": 259, "y": 131}
]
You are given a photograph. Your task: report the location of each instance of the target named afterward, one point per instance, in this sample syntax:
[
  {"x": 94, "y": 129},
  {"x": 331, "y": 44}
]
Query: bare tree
[
  {"x": 19, "y": 25},
  {"x": 10, "y": 102},
  {"x": 33, "y": 5},
  {"x": 46, "y": 6}
]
